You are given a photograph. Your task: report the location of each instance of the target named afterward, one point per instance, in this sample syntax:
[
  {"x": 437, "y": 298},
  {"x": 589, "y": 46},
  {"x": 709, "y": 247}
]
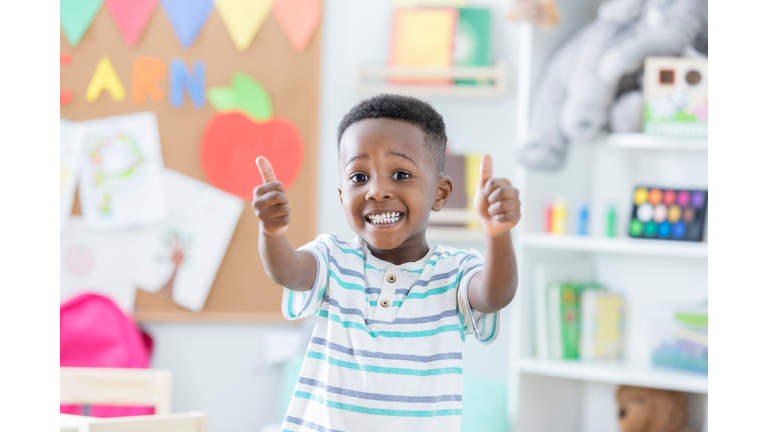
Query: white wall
[{"x": 219, "y": 367}]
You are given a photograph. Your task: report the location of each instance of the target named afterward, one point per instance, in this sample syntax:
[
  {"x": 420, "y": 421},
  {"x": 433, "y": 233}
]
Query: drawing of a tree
[{"x": 178, "y": 245}]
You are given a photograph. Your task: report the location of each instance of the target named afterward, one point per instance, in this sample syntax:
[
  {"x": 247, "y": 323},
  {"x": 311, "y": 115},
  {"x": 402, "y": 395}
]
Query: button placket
[{"x": 384, "y": 309}]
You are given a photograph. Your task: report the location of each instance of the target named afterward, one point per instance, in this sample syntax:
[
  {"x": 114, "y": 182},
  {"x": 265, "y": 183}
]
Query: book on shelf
[
  {"x": 681, "y": 338},
  {"x": 546, "y": 271},
  {"x": 564, "y": 307},
  {"x": 602, "y": 325}
]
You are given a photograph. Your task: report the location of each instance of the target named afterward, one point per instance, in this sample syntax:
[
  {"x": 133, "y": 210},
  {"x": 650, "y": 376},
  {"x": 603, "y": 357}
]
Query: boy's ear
[
  {"x": 443, "y": 193},
  {"x": 340, "y": 198}
]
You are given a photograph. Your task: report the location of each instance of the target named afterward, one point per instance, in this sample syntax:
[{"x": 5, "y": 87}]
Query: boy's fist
[
  {"x": 496, "y": 201},
  {"x": 269, "y": 200}
]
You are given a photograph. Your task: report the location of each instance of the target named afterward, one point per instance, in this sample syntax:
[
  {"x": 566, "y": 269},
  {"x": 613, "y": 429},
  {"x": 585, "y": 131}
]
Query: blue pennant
[{"x": 187, "y": 18}]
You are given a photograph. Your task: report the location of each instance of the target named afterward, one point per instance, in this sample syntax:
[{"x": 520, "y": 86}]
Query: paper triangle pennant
[
  {"x": 76, "y": 16},
  {"x": 131, "y": 16},
  {"x": 187, "y": 18},
  {"x": 299, "y": 20},
  {"x": 243, "y": 19}
]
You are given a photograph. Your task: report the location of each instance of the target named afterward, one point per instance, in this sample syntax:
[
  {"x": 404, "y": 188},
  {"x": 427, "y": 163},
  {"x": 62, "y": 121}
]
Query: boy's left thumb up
[{"x": 486, "y": 171}]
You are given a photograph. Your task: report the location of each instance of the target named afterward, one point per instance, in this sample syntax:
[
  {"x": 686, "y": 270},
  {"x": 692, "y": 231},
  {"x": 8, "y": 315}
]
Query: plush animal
[
  {"x": 579, "y": 85},
  {"x": 652, "y": 410}
]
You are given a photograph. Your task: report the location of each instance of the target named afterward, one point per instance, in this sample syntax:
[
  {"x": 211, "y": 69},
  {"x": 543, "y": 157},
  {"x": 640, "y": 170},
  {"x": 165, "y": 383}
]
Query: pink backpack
[{"x": 96, "y": 333}]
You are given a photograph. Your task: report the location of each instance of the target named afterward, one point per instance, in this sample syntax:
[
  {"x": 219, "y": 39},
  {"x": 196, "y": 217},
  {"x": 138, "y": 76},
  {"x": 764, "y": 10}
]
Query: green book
[
  {"x": 472, "y": 44},
  {"x": 570, "y": 308}
]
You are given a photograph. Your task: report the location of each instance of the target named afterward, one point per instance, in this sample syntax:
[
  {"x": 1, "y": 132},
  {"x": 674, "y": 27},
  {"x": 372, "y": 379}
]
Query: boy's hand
[
  {"x": 496, "y": 201},
  {"x": 269, "y": 201}
]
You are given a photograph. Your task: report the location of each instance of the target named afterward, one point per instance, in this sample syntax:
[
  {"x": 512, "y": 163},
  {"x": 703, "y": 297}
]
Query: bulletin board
[{"x": 241, "y": 291}]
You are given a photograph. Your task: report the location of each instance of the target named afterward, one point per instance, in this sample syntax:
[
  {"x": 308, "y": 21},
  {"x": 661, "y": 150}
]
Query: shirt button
[
  {"x": 391, "y": 278},
  {"x": 384, "y": 303}
]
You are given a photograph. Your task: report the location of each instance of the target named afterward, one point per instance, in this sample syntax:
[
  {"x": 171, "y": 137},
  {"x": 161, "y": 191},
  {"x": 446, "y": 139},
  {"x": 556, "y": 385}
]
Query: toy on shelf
[
  {"x": 652, "y": 410},
  {"x": 675, "y": 95},
  {"x": 668, "y": 214},
  {"x": 579, "y": 85}
]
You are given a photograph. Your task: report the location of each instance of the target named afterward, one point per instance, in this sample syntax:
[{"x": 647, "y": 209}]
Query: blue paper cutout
[
  {"x": 194, "y": 83},
  {"x": 187, "y": 18}
]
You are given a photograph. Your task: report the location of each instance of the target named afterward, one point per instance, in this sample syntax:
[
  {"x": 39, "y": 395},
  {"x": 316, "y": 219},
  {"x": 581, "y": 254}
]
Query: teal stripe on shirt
[
  {"x": 377, "y": 411},
  {"x": 347, "y": 285},
  {"x": 289, "y": 306},
  {"x": 493, "y": 331},
  {"x": 385, "y": 370},
  {"x": 347, "y": 251},
  {"x": 388, "y": 334}
]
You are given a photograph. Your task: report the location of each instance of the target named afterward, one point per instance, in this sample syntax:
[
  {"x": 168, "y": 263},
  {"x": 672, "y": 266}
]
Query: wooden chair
[
  {"x": 184, "y": 422},
  {"x": 114, "y": 386},
  {"x": 130, "y": 387}
]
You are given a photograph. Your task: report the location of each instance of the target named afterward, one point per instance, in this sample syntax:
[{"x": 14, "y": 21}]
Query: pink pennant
[
  {"x": 299, "y": 20},
  {"x": 131, "y": 16}
]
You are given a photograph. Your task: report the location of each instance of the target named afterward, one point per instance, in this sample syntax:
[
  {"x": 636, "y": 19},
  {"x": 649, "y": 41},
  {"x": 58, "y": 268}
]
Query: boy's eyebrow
[
  {"x": 402, "y": 155},
  {"x": 353, "y": 158}
]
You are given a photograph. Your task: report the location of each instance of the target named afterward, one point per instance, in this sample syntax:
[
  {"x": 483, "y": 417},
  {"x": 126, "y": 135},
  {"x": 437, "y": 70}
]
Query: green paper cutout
[
  {"x": 245, "y": 95},
  {"x": 222, "y": 98},
  {"x": 76, "y": 16},
  {"x": 251, "y": 97}
]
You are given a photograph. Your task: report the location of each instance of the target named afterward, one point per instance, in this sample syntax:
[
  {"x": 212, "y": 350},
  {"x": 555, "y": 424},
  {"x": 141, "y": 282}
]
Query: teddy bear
[
  {"x": 651, "y": 410},
  {"x": 579, "y": 85}
]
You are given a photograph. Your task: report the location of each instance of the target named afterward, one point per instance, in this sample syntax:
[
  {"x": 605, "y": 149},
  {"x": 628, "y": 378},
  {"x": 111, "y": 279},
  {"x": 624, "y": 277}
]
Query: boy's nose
[{"x": 377, "y": 192}]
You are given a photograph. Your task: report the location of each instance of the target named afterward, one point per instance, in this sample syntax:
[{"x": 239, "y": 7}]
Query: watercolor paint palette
[{"x": 668, "y": 214}]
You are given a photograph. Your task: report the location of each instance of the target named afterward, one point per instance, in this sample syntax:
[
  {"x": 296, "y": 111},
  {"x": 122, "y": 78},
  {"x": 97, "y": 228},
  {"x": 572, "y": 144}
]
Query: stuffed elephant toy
[{"x": 578, "y": 87}]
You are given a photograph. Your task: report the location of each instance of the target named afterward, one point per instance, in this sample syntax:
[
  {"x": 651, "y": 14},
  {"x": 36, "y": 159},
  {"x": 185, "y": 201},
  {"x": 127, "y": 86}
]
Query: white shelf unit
[
  {"x": 371, "y": 80},
  {"x": 615, "y": 245},
  {"x": 641, "y": 141},
  {"x": 617, "y": 373},
  {"x": 559, "y": 395}
]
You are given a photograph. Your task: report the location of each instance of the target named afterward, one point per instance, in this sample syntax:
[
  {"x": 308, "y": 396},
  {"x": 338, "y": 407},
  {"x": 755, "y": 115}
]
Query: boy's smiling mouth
[{"x": 384, "y": 218}]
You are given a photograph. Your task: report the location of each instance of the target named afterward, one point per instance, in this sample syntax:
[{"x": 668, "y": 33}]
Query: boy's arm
[
  {"x": 498, "y": 205},
  {"x": 292, "y": 269}
]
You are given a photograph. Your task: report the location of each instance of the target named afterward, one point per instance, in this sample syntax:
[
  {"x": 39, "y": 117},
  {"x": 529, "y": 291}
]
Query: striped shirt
[{"x": 386, "y": 350}]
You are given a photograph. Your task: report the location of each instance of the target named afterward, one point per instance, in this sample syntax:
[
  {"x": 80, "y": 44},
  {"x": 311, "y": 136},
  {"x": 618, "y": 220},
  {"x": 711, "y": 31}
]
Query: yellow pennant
[
  {"x": 243, "y": 19},
  {"x": 105, "y": 78}
]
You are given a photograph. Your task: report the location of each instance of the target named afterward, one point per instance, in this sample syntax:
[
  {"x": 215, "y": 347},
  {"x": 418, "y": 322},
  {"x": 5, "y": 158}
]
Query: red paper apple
[{"x": 244, "y": 129}]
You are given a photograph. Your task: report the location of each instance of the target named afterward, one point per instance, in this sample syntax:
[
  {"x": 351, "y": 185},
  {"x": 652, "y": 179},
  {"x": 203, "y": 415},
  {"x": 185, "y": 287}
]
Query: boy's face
[{"x": 389, "y": 183}]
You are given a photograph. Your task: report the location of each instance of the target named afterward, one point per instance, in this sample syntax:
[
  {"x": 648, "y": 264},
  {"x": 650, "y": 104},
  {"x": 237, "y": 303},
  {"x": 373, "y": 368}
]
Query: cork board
[{"x": 241, "y": 291}]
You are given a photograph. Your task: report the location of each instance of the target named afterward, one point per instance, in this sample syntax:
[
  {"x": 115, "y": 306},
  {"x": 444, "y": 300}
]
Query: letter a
[{"x": 105, "y": 78}]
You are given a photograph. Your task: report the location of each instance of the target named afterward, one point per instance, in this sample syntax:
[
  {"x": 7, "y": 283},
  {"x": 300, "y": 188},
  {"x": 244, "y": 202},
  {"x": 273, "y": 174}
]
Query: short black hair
[{"x": 407, "y": 109}]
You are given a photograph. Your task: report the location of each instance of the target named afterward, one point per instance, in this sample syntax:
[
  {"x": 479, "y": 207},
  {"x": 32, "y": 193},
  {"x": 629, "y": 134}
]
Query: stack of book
[
  {"x": 682, "y": 338},
  {"x": 580, "y": 321}
]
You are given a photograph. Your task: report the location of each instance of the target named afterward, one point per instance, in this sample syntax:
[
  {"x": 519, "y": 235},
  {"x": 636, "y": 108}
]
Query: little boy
[{"x": 386, "y": 351}]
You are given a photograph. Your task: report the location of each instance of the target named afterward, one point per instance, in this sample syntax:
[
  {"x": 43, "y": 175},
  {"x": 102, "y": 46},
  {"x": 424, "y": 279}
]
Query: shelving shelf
[
  {"x": 372, "y": 80},
  {"x": 642, "y": 141},
  {"x": 618, "y": 374},
  {"x": 616, "y": 245}
]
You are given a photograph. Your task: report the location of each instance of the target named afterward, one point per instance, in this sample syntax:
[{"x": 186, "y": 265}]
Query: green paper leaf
[
  {"x": 222, "y": 98},
  {"x": 76, "y": 16},
  {"x": 251, "y": 97}
]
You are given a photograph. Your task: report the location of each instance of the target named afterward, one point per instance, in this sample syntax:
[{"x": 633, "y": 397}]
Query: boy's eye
[
  {"x": 401, "y": 175},
  {"x": 359, "y": 178}
]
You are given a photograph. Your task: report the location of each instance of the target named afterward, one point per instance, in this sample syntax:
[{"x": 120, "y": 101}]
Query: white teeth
[{"x": 388, "y": 217}]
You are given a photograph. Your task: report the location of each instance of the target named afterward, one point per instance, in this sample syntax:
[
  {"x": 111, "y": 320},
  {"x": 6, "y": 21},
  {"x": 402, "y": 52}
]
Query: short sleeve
[
  {"x": 484, "y": 326},
  {"x": 300, "y": 304}
]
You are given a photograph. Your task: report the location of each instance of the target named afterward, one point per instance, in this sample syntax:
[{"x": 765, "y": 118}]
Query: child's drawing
[
  {"x": 181, "y": 256},
  {"x": 121, "y": 181},
  {"x": 101, "y": 262},
  {"x": 178, "y": 247},
  {"x": 69, "y": 152}
]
